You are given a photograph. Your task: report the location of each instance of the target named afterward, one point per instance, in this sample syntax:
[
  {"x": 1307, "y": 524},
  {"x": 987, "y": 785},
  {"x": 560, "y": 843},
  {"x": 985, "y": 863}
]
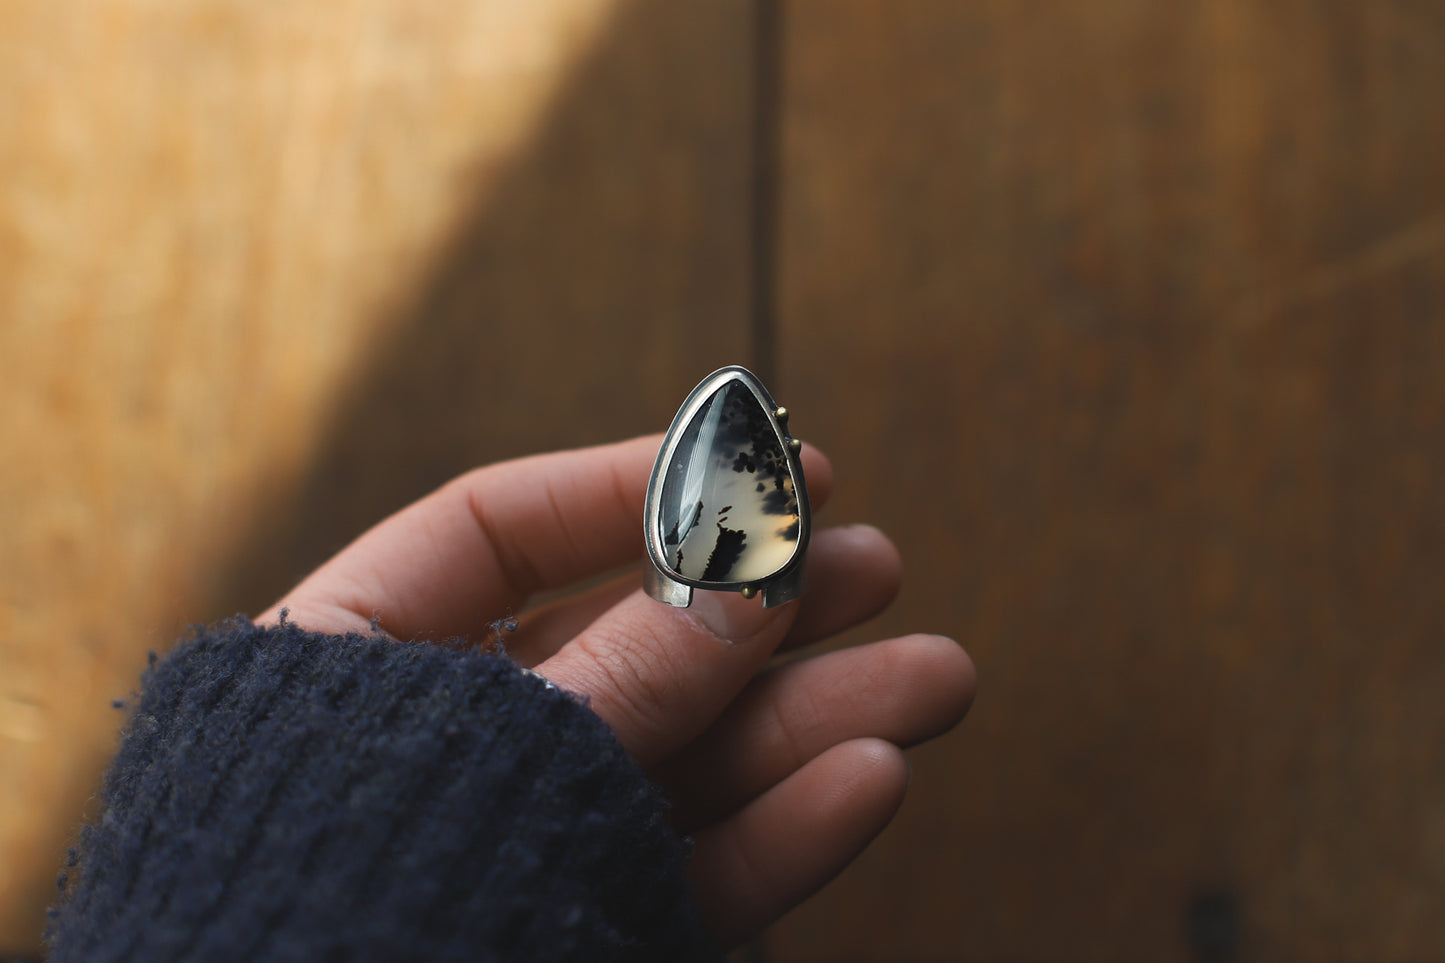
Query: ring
[{"x": 727, "y": 506}]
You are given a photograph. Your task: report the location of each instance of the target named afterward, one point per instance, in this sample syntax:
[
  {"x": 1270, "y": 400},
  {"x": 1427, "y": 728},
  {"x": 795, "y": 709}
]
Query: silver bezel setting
[{"x": 666, "y": 585}]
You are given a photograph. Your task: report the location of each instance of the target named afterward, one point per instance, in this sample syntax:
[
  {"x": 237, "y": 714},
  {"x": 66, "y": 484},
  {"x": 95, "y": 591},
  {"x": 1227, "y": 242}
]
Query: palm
[{"x": 782, "y": 775}]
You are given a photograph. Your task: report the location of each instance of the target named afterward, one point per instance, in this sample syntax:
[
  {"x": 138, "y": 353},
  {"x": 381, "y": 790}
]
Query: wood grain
[
  {"x": 1124, "y": 318},
  {"x": 1127, "y": 320},
  {"x": 268, "y": 272}
]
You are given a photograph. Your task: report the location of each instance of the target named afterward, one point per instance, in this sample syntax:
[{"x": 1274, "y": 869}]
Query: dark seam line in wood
[{"x": 766, "y": 163}]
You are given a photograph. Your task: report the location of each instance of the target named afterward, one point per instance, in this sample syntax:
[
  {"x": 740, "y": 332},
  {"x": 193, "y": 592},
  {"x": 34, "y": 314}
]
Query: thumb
[{"x": 660, "y": 675}]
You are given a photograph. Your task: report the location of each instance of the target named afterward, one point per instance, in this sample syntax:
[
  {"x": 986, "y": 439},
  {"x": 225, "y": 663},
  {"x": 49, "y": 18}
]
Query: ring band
[{"x": 727, "y": 506}]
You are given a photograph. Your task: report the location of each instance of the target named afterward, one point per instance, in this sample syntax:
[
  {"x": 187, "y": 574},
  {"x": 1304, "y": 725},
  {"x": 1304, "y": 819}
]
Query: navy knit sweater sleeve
[{"x": 285, "y": 795}]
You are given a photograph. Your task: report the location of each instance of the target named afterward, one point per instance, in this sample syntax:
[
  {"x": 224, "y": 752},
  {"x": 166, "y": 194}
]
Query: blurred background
[{"x": 1126, "y": 318}]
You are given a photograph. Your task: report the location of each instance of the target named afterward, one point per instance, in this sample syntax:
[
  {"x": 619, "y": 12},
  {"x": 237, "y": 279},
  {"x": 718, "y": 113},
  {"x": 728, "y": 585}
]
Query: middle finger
[{"x": 853, "y": 574}]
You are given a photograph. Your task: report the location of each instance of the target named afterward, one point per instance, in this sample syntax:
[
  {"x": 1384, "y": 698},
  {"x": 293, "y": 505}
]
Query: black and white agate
[{"x": 727, "y": 507}]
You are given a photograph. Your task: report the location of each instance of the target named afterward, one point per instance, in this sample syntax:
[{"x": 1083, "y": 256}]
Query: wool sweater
[{"x": 285, "y": 795}]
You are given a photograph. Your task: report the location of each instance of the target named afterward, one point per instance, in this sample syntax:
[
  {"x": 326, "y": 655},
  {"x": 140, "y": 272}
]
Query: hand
[{"x": 782, "y": 776}]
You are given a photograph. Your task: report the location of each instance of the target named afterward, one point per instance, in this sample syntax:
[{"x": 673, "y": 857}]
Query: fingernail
[{"x": 731, "y": 617}]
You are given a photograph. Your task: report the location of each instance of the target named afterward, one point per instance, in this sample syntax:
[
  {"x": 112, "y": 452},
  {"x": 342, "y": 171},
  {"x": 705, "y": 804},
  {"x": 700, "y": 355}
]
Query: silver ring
[{"x": 727, "y": 506}]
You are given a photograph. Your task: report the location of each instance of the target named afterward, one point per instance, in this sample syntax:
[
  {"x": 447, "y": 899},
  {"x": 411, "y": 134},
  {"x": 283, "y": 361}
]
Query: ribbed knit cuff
[{"x": 285, "y": 795}]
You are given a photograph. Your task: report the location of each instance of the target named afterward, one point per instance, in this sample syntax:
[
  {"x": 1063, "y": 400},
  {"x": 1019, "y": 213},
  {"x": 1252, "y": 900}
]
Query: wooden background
[{"x": 1125, "y": 318}]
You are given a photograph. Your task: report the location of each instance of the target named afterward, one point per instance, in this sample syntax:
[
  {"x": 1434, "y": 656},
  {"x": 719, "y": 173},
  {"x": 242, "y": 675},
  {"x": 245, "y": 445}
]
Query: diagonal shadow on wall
[{"x": 607, "y": 269}]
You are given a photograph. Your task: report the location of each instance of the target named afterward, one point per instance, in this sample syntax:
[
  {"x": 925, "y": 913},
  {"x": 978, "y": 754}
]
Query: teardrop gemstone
[{"x": 728, "y": 509}]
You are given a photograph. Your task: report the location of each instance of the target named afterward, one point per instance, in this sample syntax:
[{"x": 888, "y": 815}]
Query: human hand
[{"x": 781, "y": 775}]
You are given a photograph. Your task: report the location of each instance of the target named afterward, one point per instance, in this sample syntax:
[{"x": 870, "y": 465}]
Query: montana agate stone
[{"x": 726, "y": 490}]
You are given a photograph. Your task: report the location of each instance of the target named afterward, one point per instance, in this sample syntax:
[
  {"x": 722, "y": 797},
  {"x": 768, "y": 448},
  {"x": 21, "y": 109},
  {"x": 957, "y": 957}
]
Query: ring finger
[{"x": 902, "y": 690}]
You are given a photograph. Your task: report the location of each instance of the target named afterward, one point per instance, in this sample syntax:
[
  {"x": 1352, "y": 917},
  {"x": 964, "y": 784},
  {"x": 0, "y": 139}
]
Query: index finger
[{"x": 478, "y": 547}]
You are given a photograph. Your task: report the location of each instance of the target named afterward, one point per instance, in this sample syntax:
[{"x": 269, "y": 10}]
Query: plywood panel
[
  {"x": 1126, "y": 319},
  {"x": 266, "y": 273}
]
